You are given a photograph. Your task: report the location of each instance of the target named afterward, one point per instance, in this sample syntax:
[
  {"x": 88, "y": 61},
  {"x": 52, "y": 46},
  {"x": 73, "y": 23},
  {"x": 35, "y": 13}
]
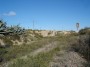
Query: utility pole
[
  {"x": 33, "y": 24},
  {"x": 62, "y": 27}
]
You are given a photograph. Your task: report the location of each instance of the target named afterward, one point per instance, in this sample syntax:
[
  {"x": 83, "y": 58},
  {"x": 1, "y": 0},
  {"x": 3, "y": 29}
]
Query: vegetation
[
  {"x": 5, "y": 30},
  {"x": 41, "y": 60},
  {"x": 84, "y": 31},
  {"x": 77, "y": 42},
  {"x": 18, "y": 51},
  {"x": 82, "y": 44}
]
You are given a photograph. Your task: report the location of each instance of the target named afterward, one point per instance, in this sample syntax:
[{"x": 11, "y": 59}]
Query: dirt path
[{"x": 45, "y": 48}]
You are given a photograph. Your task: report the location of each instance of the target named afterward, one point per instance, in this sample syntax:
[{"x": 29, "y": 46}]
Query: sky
[{"x": 46, "y": 14}]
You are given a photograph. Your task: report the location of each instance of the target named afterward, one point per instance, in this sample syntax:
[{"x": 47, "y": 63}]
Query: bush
[
  {"x": 15, "y": 37},
  {"x": 73, "y": 33},
  {"x": 7, "y": 42},
  {"x": 84, "y": 31},
  {"x": 2, "y": 52},
  {"x": 83, "y": 46}
]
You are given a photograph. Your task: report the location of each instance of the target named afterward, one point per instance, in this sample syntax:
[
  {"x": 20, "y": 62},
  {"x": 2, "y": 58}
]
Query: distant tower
[{"x": 77, "y": 26}]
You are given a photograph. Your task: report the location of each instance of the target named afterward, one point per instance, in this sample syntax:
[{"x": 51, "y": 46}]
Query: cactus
[
  {"x": 13, "y": 29},
  {"x": 2, "y": 25},
  {"x": 16, "y": 29}
]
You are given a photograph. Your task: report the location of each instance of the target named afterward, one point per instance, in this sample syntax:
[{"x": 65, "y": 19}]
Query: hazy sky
[{"x": 47, "y": 14}]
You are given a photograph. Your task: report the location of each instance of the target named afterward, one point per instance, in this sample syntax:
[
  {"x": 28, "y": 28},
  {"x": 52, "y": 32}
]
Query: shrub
[
  {"x": 85, "y": 31},
  {"x": 83, "y": 46},
  {"x": 2, "y": 52},
  {"x": 15, "y": 37},
  {"x": 7, "y": 41},
  {"x": 73, "y": 33}
]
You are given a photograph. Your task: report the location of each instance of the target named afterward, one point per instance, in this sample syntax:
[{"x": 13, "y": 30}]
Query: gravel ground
[{"x": 68, "y": 59}]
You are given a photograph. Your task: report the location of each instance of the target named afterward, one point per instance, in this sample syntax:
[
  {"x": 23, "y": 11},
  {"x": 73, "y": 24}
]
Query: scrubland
[{"x": 33, "y": 50}]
